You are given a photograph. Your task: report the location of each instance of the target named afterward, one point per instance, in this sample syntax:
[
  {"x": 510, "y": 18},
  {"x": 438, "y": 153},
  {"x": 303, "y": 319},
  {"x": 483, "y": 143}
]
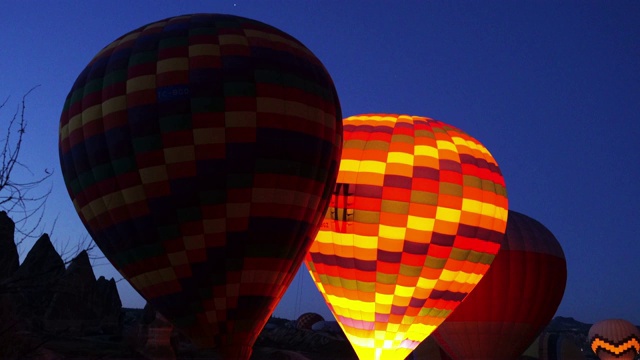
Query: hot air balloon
[
  {"x": 416, "y": 218},
  {"x": 306, "y": 320},
  {"x": 614, "y": 339},
  {"x": 200, "y": 152},
  {"x": 515, "y": 299}
]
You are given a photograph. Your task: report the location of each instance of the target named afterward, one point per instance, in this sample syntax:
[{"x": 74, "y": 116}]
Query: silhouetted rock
[
  {"x": 82, "y": 305},
  {"x": 68, "y": 311},
  {"x": 44, "y": 306},
  {"x": 42, "y": 265},
  {"x": 567, "y": 324},
  {"x": 34, "y": 283},
  {"x": 8, "y": 251},
  {"x": 110, "y": 305}
]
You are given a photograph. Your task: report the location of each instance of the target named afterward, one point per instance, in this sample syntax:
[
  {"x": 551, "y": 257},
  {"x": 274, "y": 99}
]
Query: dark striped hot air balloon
[
  {"x": 200, "y": 152},
  {"x": 306, "y": 320},
  {"x": 515, "y": 299},
  {"x": 614, "y": 339},
  {"x": 416, "y": 218}
]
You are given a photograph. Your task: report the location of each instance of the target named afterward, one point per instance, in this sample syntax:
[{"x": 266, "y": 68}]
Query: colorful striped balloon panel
[
  {"x": 416, "y": 218},
  {"x": 200, "y": 152}
]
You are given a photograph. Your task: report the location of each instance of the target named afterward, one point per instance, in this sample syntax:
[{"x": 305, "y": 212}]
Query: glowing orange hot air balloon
[
  {"x": 417, "y": 215},
  {"x": 614, "y": 339},
  {"x": 200, "y": 152},
  {"x": 515, "y": 299}
]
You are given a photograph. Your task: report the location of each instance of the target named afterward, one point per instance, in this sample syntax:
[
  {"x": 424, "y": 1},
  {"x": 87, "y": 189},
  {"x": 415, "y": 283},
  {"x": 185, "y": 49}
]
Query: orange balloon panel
[{"x": 416, "y": 218}]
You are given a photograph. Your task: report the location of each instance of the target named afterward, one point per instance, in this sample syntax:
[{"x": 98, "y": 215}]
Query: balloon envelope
[
  {"x": 200, "y": 152},
  {"x": 614, "y": 339},
  {"x": 307, "y": 320},
  {"x": 416, "y": 218},
  {"x": 515, "y": 299}
]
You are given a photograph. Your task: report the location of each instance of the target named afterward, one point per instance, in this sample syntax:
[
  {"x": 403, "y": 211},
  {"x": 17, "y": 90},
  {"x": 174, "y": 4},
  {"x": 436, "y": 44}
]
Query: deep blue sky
[{"x": 551, "y": 88}]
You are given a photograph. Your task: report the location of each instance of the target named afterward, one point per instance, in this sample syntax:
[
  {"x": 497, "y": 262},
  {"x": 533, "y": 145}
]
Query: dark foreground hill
[
  {"x": 146, "y": 338},
  {"x": 51, "y": 311}
]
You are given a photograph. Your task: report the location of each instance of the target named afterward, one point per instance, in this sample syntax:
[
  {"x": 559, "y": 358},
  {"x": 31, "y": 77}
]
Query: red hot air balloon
[
  {"x": 416, "y": 218},
  {"x": 614, "y": 339},
  {"x": 513, "y": 302},
  {"x": 200, "y": 152}
]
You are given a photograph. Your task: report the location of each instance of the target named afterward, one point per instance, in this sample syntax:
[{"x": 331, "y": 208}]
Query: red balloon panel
[{"x": 516, "y": 298}]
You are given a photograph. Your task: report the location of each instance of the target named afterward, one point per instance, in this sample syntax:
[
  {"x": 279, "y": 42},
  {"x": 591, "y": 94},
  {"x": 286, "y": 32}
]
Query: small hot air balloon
[
  {"x": 614, "y": 339},
  {"x": 200, "y": 152},
  {"x": 416, "y": 218},
  {"x": 515, "y": 299},
  {"x": 306, "y": 320}
]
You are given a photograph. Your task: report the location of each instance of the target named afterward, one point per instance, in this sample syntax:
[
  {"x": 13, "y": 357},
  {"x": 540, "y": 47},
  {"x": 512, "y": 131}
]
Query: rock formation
[
  {"x": 8, "y": 265},
  {"x": 81, "y": 305},
  {"x": 110, "y": 305},
  {"x": 33, "y": 285},
  {"x": 42, "y": 267},
  {"x": 8, "y": 250},
  {"x": 41, "y": 295}
]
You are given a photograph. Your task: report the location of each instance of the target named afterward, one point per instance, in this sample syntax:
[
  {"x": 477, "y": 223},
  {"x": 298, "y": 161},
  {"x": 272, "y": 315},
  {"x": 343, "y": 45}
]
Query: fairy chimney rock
[
  {"x": 42, "y": 265},
  {"x": 8, "y": 251}
]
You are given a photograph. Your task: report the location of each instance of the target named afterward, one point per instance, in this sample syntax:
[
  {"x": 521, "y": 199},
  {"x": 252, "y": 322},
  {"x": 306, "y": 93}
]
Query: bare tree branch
[{"x": 23, "y": 200}]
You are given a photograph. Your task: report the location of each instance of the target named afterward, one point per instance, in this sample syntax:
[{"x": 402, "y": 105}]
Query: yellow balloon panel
[{"x": 416, "y": 217}]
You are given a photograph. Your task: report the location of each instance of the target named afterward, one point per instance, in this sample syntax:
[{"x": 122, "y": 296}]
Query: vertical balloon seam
[
  {"x": 414, "y": 282},
  {"x": 285, "y": 111},
  {"x": 106, "y": 54},
  {"x": 358, "y": 316},
  {"x": 104, "y": 224},
  {"x": 280, "y": 278},
  {"x": 404, "y": 328},
  {"x": 394, "y": 297},
  {"x": 472, "y": 158},
  {"x": 101, "y": 218},
  {"x": 354, "y": 314},
  {"x": 162, "y": 275},
  {"x": 441, "y": 304}
]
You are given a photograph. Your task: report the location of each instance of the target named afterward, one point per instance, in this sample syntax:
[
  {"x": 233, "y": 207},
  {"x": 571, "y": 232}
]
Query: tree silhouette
[{"x": 24, "y": 200}]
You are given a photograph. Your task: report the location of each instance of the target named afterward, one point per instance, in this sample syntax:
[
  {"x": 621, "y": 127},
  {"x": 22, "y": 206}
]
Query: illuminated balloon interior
[{"x": 415, "y": 220}]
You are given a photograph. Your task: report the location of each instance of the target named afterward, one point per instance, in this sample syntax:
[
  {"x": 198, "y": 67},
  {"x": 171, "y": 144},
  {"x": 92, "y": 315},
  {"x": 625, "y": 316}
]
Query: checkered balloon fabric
[
  {"x": 200, "y": 152},
  {"x": 416, "y": 218}
]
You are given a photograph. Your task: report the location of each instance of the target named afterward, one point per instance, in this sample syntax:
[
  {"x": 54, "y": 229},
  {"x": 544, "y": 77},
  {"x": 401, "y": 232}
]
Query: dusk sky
[{"x": 551, "y": 88}]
